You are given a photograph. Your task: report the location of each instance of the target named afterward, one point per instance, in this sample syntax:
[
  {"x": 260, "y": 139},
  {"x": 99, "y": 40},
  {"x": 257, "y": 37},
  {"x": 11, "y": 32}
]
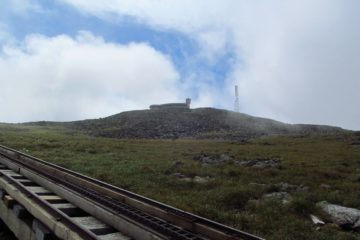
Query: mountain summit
[{"x": 192, "y": 123}]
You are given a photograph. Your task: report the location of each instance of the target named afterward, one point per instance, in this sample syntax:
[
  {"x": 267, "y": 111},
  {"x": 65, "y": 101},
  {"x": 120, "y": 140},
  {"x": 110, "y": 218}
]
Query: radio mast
[{"x": 237, "y": 104}]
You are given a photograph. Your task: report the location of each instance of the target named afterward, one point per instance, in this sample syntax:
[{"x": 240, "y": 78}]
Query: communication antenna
[{"x": 236, "y": 105}]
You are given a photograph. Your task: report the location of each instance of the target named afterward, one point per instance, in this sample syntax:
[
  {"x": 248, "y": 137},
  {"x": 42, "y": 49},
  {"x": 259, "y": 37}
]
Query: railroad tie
[
  {"x": 9, "y": 201},
  {"x": 94, "y": 225}
]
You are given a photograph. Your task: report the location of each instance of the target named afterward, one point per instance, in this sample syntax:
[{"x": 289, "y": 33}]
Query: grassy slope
[{"x": 143, "y": 166}]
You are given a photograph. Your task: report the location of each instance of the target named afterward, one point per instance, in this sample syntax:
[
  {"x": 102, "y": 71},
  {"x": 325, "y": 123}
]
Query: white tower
[{"x": 236, "y": 105}]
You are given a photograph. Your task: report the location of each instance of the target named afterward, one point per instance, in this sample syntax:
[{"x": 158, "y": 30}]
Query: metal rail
[{"x": 119, "y": 207}]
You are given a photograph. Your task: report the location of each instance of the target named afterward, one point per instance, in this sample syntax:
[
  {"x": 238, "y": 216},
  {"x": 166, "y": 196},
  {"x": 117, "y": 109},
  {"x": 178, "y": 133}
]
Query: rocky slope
[{"x": 196, "y": 123}]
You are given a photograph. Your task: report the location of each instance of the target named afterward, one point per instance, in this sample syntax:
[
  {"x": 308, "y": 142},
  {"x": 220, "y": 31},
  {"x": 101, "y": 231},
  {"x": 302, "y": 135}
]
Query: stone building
[{"x": 172, "y": 106}]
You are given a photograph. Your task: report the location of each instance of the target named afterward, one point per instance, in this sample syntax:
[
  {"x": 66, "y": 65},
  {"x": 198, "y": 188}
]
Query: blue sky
[
  {"x": 75, "y": 59},
  {"x": 57, "y": 18}
]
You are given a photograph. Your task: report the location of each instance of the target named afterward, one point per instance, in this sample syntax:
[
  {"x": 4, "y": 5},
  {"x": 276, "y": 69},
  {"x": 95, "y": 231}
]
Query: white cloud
[
  {"x": 64, "y": 78},
  {"x": 295, "y": 60}
]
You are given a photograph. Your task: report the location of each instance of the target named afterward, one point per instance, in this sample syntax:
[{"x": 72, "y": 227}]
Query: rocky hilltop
[{"x": 195, "y": 123}]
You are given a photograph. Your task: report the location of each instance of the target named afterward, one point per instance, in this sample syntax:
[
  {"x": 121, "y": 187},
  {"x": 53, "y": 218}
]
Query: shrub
[
  {"x": 236, "y": 199},
  {"x": 302, "y": 204}
]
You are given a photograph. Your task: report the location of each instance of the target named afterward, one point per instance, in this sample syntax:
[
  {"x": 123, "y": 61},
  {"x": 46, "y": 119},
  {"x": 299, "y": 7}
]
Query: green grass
[{"x": 146, "y": 167}]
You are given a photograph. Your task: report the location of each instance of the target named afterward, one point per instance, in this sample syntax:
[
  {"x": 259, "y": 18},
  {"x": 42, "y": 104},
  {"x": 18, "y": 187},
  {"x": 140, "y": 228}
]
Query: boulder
[{"x": 348, "y": 218}]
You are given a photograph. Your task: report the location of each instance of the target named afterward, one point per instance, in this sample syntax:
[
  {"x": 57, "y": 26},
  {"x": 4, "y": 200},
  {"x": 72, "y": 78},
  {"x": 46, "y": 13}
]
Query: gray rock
[
  {"x": 348, "y": 218},
  {"x": 284, "y": 197},
  {"x": 316, "y": 220},
  {"x": 357, "y": 225},
  {"x": 209, "y": 160},
  {"x": 304, "y": 188},
  {"x": 287, "y": 187},
  {"x": 213, "y": 159},
  {"x": 225, "y": 158},
  {"x": 179, "y": 175},
  {"x": 247, "y": 163},
  {"x": 260, "y": 163},
  {"x": 186, "y": 179},
  {"x": 325, "y": 186},
  {"x": 198, "y": 179}
]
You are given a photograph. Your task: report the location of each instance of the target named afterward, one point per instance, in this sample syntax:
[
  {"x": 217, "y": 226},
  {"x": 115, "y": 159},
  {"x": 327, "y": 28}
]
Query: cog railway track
[{"x": 63, "y": 204}]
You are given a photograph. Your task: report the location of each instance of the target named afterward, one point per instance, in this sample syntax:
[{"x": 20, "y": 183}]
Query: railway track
[{"x": 70, "y": 205}]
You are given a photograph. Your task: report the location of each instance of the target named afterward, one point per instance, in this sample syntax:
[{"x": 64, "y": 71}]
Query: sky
[{"x": 294, "y": 61}]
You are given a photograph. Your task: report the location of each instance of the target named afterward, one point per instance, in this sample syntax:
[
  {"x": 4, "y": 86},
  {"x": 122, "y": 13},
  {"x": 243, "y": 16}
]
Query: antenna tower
[{"x": 236, "y": 105}]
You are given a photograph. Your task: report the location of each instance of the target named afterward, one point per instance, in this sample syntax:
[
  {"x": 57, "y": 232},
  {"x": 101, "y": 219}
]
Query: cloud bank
[
  {"x": 294, "y": 61},
  {"x": 62, "y": 78}
]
